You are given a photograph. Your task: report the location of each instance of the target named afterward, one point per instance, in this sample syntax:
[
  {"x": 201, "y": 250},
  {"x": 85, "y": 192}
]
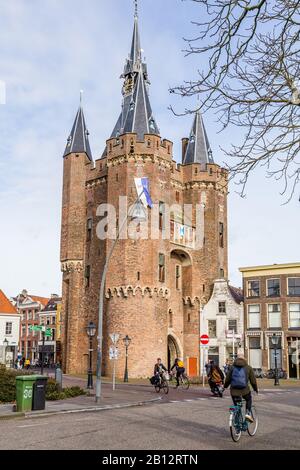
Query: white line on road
[{"x": 32, "y": 425}]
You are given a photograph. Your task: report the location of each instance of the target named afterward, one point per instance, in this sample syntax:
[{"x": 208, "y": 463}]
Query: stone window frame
[
  {"x": 280, "y": 312},
  {"x": 288, "y": 287},
  {"x": 209, "y": 329},
  {"x": 89, "y": 229},
  {"x": 267, "y": 287},
  {"x": 259, "y": 313},
  {"x": 221, "y": 234},
  {"x": 236, "y": 325},
  {"x": 289, "y": 312},
  {"x": 178, "y": 277},
  {"x": 222, "y": 307},
  {"x": 161, "y": 267},
  {"x": 8, "y": 328},
  {"x": 248, "y": 289}
]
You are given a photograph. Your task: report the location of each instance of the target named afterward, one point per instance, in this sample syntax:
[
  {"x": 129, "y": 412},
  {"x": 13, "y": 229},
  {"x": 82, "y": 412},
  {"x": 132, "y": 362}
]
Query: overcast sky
[{"x": 49, "y": 50}]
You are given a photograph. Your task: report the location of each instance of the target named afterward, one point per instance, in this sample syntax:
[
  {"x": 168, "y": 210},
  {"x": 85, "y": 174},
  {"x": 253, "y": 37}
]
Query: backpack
[
  {"x": 215, "y": 375},
  {"x": 239, "y": 379}
]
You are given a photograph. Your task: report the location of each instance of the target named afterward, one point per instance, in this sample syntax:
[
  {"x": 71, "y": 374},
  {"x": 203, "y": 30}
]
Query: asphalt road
[{"x": 183, "y": 421}]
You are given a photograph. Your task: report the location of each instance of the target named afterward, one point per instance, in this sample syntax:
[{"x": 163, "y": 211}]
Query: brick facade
[
  {"x": 289, "y": 333},
  {"x": 137, "y": 303}
]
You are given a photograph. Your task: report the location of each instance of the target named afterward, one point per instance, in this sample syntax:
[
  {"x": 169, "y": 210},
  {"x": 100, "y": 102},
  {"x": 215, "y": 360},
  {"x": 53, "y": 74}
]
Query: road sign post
[
  {"x": 204, "y": 341},
  {"x": 113, "y": 352}
]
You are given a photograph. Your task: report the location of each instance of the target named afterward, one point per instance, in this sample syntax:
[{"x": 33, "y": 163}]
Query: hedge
[{"x": 53, "y": 392}]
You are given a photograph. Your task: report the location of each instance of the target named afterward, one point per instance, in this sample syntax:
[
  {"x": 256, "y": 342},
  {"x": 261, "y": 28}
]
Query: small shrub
[{"x": 53, "y": 392}]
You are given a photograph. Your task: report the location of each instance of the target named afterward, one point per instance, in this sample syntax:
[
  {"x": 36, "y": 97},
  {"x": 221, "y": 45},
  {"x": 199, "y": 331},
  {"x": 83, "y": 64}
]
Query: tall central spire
[{"x": 136, "y": 115}]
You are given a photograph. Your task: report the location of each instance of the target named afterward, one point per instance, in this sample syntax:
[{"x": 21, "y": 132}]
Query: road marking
[{"x": 32, "y": 425}]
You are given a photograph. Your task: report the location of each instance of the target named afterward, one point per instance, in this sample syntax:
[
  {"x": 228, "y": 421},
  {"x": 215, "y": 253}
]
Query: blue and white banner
[{"x": 142, "y": 187}]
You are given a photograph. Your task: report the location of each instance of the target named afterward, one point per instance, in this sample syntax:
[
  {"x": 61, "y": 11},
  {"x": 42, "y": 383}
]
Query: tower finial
[
  {"x": 81, "y": 95},
  {"x": 135, "y": 8}
]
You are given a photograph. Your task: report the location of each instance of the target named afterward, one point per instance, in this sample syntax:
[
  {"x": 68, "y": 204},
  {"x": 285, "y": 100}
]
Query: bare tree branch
[{"x": 252, "y": 80}]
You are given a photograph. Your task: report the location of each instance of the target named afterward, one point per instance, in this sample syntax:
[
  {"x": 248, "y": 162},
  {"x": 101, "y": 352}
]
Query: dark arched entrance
[{"x": 173, "y": 351}]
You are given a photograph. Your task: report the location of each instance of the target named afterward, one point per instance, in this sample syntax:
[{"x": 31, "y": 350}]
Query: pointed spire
[
  {"x": 78, "y": 141},
  {"x": 136, "y": 115},
  {"x": 198, "y": 149}
]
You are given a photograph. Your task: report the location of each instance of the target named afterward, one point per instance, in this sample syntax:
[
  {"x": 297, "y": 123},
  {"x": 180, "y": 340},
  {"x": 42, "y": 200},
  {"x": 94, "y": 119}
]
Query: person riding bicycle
[
  {"x": 180, "y": 369},
  {"x": 215, "y": 376},
  {"x": 159, "y": 368},
  {"x": 238, "y": 377}
]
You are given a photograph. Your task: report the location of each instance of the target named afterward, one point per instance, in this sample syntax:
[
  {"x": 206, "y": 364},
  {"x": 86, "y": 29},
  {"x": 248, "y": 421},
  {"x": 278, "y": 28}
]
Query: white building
[
  {"x": 9, "y": 331},
  {"x": 222, "y": 319}
]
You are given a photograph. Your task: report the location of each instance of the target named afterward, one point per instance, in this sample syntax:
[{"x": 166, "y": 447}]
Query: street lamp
[
  {"x": 275, "y": 342},
  {"x": 137, "y": 214},
  {"x": 90, "y": 331},
  {"x": 126, "y": 342},
  {"x": 5, "y": 344}
]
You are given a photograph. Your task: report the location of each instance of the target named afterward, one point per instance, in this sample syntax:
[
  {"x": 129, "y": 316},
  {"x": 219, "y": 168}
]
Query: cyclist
[
  {"x": 180, "y": 369},
  {"x": 238, "y": 377},
  {"x": 158, "y": 370},
  {"x": 215, "y": 376}
]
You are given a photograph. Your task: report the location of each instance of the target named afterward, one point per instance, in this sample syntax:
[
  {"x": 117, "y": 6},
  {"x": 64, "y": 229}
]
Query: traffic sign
[
  {"x": 204, "y": 339},
  {"x": 47, "y": 331},
  {"x": 113, "y": 353},
  {"x": 114, "y": 338}
]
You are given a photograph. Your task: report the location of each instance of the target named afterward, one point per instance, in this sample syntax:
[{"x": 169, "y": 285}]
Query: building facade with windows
[
  {"x": 222, "y": 319},
  {"x": 155, "y": 284},
  {"x": 272, "y": 306},
  {"x": 29, "y": 307},
  {"x": 50, "y": 317},
  {"x": 9, "y": 331}
]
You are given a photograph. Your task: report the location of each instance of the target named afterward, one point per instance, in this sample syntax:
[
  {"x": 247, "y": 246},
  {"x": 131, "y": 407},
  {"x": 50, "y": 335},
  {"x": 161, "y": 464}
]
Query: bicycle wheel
[
  {"x": 185, "y": 383},
  {"x": 235, "y": 426},
  {"x": 252, "y": 427},
  {"x": 165, "y": 387},
  {"x": 157, "y": 388}
]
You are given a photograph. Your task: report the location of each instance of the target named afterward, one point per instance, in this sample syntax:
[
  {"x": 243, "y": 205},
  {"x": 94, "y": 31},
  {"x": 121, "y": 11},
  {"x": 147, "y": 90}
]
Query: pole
[
  {"x": 126, "y": 366},
  {"x": 203, "y": 366},
  {"x": 276, "y": 382},
  {"x": 101, "y": 306},
  {"x": 43, "y": 344},
  {"x": 90, "y": 384},
  {"x": 233, "y": 351},
  {"x": 114, "y": 373}
]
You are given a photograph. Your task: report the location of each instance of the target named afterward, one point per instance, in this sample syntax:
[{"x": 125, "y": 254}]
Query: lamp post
[
  {"x": 126, "y": 342},
  {"x": 137, "y": 212},
  {"x": 275, "y": 341},
  {"x": 5, "y": 344},
  {"x": 90, "y": 331}
]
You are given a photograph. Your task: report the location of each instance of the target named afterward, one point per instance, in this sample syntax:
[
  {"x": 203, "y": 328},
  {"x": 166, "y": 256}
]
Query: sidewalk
[{"x": 120, "y": 398}]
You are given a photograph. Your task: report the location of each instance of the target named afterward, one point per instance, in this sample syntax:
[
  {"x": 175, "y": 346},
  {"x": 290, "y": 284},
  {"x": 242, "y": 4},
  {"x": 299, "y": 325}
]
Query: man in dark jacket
[
  {"x": 238, "y": 377},
  {"x": 158, "y": 370}
]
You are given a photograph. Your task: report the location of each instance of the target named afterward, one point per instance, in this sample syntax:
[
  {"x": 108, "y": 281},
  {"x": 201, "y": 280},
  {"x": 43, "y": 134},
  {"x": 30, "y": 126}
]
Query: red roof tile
[{"x": 5, "y": 305}]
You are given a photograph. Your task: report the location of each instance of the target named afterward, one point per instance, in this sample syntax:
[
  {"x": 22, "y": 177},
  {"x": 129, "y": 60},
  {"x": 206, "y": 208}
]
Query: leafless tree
[{"x": 252, "y": 80}]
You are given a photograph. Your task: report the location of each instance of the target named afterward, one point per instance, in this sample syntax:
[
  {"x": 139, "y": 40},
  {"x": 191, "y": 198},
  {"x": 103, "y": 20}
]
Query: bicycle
[
  {"x": 238, "y": 423},
  {"x": 184, "y": 382},
  {"x": 162, "y": 384}
]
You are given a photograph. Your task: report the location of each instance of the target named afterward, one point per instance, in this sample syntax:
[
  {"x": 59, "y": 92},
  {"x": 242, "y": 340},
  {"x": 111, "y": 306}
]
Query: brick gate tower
[{"x": 156, "y": 284}]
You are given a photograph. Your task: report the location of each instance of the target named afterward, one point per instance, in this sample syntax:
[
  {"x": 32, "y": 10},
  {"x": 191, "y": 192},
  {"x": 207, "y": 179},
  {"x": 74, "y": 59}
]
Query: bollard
[{"x": 58, "y": 376}]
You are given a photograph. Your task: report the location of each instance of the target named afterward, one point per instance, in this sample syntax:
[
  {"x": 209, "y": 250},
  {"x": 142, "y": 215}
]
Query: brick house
[
  {"x": 29, "y": 307},
  {"x": 272, "y": 306},
  {"x": 154, "y": 286},
  {"x": 49, "y": 317}
]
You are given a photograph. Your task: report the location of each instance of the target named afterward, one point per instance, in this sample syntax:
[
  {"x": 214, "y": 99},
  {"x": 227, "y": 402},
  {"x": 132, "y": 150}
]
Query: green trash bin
[{"x": 24, "y": 391}]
